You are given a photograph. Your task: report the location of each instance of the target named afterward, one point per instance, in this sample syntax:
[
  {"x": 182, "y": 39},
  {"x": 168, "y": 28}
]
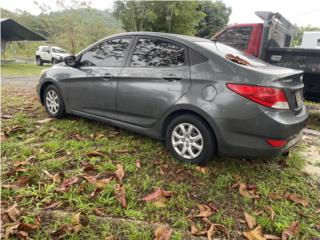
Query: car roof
[{"x": 164, "y": 35}]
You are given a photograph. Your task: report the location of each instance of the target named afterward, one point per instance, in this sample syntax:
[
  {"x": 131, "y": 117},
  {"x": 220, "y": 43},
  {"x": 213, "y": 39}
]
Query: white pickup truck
[{"x": 50, "y": 54}]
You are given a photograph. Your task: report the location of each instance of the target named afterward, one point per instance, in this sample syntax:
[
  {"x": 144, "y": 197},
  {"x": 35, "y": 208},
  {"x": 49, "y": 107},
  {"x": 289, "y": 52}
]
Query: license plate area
[{"x": 299, "y": 99}]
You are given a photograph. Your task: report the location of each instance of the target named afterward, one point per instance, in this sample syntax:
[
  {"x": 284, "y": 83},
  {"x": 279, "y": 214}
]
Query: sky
[{"x": 300, "y": 12}]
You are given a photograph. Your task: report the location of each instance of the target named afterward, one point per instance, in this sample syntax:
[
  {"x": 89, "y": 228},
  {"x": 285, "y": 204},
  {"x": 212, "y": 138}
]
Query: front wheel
[
  {"x": 190, "y": 139},
  {"x": 53, "y": 102},
  {"x": 39, "y": 61}
]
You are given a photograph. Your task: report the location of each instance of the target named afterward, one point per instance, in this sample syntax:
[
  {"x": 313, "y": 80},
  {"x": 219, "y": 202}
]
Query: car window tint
[
  {"x": 107, "y": 54},
  {"x": 151, "y": 52},
  {"x": 237, "y": 37}
]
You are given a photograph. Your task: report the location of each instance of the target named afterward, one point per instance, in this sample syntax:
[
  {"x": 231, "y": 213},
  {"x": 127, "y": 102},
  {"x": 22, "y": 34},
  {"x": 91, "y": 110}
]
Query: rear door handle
[
  {"x": 172, "y": 78},
  {"x": 107, "y": 76}
]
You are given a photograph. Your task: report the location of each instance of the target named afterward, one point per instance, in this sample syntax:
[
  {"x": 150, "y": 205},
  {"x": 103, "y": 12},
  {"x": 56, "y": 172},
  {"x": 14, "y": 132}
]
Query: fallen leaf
[
  {"x": 29, "y": 227},
  {"x": 46, "y": 120},
  {"x": 23, "y": 180},
  {"x": 3, "y": 137},
  {"x": 138, "y": 163},
  {"x": 14, "y": 129},
  {"x": 62, "y": 231},
  {"x": 317, "y": 211},
  {"x": 162, "y": 233},
  {"x": 297, "y": 199},
  {"x": 90, "y": 179},
  {"x": 6, "y": 116},
  {"x": 103, "y": 182},
  {"x": 120, "y": 194},
  {"x": 119, "y": 172},
  {"x": 13, "y": 212},
  {"x": 88, "y": 167},
  {"x": 98, "y": 212},
  {"x": 248, "y": 191},
  {"x": 291, "y": 231},
  {"x": 194, "y": 230},
  {"x": 251, "y": 221},
  {"x": 57, "y": 178},
  {"x": 96, "y": 192},
  {"x": 272, "y": 214},
  {"x": 271, "y": 237},
  {"x": 95, "y": 154},
  {"x": 275, "y": 196},
  {"x": 76, "y": 219},
  {"x": 67, "y": 183},
  {"x": 53, "y": 205},
  {"x": 211, "y": 231},
  {"x": 255, "y": 234},
  {"x": 10, "y": 229},
  {"x": 205, "y": 210},
  {"x": 110, "y": 238},
  {"x": 21, "y": 163},
  {"x": 202, "y": 169},
  {"x": 157, "y": 194}
]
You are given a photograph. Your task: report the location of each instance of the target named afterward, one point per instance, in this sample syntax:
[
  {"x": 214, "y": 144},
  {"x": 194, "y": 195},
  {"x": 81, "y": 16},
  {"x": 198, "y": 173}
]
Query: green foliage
[
  {"x": 73, "y": 28},
  {"x": 159, "y": 16},
  {"x": 217, "y": 16},
  {"x": 298, "y": 38}
]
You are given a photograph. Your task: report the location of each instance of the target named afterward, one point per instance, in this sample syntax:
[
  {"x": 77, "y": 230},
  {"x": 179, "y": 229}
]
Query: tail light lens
[
  {"x": 276, "y": 143},
  {"x": 266, "y": 96}
]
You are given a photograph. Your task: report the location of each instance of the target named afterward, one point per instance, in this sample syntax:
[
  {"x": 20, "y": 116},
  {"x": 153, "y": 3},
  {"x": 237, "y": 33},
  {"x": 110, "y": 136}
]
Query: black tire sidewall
[
  {"x": 61, "y": 112},
  {"x": 209, "y": 147}
]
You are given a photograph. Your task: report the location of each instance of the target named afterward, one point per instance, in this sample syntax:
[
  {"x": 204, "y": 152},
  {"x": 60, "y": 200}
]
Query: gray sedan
[{"x": 202, "y": 97}]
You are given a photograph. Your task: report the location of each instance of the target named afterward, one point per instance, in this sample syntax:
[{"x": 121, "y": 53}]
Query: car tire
[
  {"x": 53, "y": 102},
  {"x": 39, "y": 61},
  {"x": 195, "y": 144}
]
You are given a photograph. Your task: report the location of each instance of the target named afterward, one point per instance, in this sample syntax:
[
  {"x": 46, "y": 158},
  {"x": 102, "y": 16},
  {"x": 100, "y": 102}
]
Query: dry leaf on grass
[
  {"x": 120, "y": 194},
  {"x": 248, "y": 191},
  {"x": 95, "y": 154},
  {"x": 275, "y": 196},
  {"x": 3, "y": 137},
  {"x": 138, "y": 163},
  {"x": 255, "y": 234},
  {"x": 162, "y": 233},
  {"x": 52, "y": 205},
  {"x": 202, "y": 169},
  {"x": 156, "y": 195},
  {"x": 67, "y": 183},
  {"x": 317, "y": 211},
  {"x": 297, "y": 199},
  {"x": 251, "y": 221},
  {"x": 271, "y": 237},
  {"x": 193, "y": 229},
  {"x": 46, "y": 120},
  {"x": 67, "y": 229},
  {"x": 206, "y": 210},
  {"x": 272, "y": 214},
  {"x": 119, "y": 172},
  {"x": 57, "y": 178},
  {"x": 6, "y": 116},
  {"x": 13, "y": 212},
  {"x": 291, "y": 231}
]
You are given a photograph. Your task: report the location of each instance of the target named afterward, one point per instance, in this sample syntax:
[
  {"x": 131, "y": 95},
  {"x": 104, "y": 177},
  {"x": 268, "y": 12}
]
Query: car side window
[
  {"x": 153, "y": 52},
  {"x": 237, "y": 37},
  {"x": 110, "y": 53},
  {"x": 44, "y": 49}
]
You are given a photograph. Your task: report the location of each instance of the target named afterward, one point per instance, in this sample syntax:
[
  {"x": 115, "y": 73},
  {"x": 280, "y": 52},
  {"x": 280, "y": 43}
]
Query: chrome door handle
[{"x": 107, "y": 76}]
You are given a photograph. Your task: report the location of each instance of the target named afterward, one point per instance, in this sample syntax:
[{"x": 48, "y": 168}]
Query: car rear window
[{"x": 227, "y": 51}]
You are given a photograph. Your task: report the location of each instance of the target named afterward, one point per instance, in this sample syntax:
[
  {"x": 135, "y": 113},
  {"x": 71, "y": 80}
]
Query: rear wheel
[
  {"x": 53, "y": 102},
  {"x": 190, "y": 139},
  {"x": 39, "y": 61}
]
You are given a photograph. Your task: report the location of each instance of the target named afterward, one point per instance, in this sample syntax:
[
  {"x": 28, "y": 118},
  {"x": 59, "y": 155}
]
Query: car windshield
[
  {"x": 232, "y": 54},
  {"x": 58, "y": 50}
]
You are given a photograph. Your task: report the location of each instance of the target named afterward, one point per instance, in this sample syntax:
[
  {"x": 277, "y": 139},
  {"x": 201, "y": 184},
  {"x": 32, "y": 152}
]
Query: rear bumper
[{"x": 247, "y": 137}]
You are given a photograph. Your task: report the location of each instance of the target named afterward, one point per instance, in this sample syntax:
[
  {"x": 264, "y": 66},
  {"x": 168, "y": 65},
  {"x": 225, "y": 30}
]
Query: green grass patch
[
  {"x": 61, "y": 146},
  {"x": 21, "y": 70}
]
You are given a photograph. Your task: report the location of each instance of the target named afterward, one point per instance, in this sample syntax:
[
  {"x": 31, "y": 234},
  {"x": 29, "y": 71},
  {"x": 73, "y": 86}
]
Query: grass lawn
[
  {"x": 21, "y": 70},
  {"x": 38, "y": 158}
]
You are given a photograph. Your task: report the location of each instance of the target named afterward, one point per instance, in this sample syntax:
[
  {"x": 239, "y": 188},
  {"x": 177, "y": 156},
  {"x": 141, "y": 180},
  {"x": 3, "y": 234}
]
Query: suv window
[
  {"x": 44, "y": 49},
  {"x": 237, "y": 37},
  {"x": 152, "y": 52},
  {"x": 109, "y": 53}
]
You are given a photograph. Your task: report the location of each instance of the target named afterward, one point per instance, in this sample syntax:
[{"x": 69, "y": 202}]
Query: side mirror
[{"x": 70, "y": 61}]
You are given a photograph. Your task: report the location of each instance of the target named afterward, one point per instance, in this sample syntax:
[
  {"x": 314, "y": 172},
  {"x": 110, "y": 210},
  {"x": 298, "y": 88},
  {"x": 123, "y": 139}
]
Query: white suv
[{"x": 50, "y": 54}]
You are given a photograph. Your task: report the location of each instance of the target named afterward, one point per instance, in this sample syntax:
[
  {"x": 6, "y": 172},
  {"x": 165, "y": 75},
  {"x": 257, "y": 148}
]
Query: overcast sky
[{"x": 301, "y": 12}]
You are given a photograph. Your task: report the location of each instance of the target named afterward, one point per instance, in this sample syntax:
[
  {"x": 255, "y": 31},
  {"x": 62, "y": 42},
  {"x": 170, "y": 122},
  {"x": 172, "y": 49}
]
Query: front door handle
[{"x": 172, "y": 78}]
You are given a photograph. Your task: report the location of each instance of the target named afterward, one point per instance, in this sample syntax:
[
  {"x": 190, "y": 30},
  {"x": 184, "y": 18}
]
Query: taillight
[
  {"x": 276, "y": 143},
  {"x": 266, "y": 96}
]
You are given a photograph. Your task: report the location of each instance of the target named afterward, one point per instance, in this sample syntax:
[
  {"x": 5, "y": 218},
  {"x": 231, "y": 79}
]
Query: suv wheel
[
  {"x": 190, "y": 139},
  {"x": 39, "y": 61},
  {"x": 53, "y": 102}
]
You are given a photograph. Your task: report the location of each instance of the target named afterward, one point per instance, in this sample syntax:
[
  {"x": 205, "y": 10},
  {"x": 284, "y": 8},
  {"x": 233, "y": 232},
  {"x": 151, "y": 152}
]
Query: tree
[
  {"x": 217, "y": 17},
  {"x": 161, "y": 16}
]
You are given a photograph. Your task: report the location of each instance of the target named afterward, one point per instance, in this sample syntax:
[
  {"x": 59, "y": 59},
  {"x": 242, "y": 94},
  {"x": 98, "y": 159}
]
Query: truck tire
[{"x": 39, "y": 61}]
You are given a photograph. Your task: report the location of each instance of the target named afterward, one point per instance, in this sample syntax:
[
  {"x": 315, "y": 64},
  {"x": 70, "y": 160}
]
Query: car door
[
  {"x": 45, "y": 53},
  {"x": 156, "y": 76},
  {"x": 91, "y": 87}
]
